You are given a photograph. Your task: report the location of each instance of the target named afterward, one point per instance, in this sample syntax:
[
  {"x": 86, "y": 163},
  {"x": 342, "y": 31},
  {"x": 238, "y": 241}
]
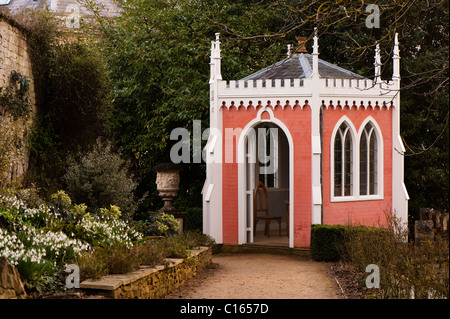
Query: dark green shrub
[
  {"x": 99, "y": 178},
  {"x": 329, "y": 242},
  {"x": 159, "y": 225},
  {"x": 362, "y": 245},
  {"x": 193, "y": 219},
  {"x": 72, "y": 91},
  {"x": 325, "y": 240},
  {"x": 61, "y": 204}
]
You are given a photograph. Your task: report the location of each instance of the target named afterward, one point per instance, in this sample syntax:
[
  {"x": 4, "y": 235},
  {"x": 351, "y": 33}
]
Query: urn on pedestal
[{"x": 168, "y": 185}]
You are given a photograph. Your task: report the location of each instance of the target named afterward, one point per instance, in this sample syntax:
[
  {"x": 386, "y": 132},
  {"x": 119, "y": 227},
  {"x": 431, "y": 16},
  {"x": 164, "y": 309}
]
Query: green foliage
[
  {"x": 159, "y": 225},
  {"x": 14, "y": 98},
  {"x": 15, "y": 110},
  {"x": 119, "y": 259},
  {"x": 11, "y": 146},
  {"x": 72, "y": 94},
  {"x": 193, "y": 221},
  {"x": 404, "y": 267},
  {"x": 113, "y": 211},
  {"x": 159, "y": 69},
  {"x": 160, "y": 66},
  {"x": 324, "y": 241},
  {"x": 92, "y": 265},
  {"x": 78, "y": 95},
  {"x": 425, "y": 106},
  {"x": 195, "y": 238},
  {"x": 39, "y": 241},
  {"x": 100, "y": 178},
  {"x": 328, "y": 241},
  {"x": 174, "y": 248}
]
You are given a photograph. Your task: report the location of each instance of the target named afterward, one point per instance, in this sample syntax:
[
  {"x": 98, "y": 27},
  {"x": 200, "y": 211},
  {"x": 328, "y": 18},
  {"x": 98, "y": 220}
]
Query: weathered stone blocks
[
  {"x": 431, "y": 223},
  {"x": 151, "y": 283},
  {"x": 11, "y": 286},
  {"x": 14, "y": 57}
]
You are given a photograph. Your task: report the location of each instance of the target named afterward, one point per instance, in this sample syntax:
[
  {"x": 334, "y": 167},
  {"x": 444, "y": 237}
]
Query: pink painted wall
[
  {"x": 298, "y": 122},
  {"x": 369, "y": 212}
]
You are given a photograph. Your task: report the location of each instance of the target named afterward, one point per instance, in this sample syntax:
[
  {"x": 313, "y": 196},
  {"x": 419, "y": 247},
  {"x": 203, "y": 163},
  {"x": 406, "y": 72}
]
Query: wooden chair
[{"x": 261, "y": 204}]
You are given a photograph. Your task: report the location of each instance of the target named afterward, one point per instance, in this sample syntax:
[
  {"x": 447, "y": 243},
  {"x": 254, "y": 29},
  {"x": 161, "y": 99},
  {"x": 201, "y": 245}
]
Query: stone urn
[{"x": 167, "y": 184}]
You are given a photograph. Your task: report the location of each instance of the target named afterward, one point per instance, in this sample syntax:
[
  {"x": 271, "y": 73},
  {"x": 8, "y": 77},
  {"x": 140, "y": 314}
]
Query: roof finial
[
  {"x": 396, "y": 49},
  {"x": 377, "y": 64},
  {"x": 396, "y": 59},
  {"x": 316, "y": 42},
  {"x": 315, "y": 54},
  {"x": 215, "y": 60},
  {"x": 211, "y": 63},
  {"x": 288, "y": 53}
]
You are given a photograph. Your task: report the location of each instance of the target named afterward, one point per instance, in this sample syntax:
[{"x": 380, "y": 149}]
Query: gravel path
[{"x": 260, "y": 276}]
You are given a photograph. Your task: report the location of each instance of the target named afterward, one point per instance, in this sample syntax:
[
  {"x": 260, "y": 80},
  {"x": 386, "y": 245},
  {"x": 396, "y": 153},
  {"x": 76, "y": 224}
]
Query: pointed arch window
[
  {"x": 343, "y": 161},
  {"x": 368, "y": 161}
]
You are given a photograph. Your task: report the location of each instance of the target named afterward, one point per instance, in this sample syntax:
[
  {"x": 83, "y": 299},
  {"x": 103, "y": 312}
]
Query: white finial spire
[
  {"x": 288, "y": 53},
  {"x": 217, "y": 58},
  {"x": 377, "y": 64},
  {"x": 316, "y": 42},
  {"x": 315, "y": 54},
  {"x": 212, "y": 68},
  {"x": 396, "y": 60},
  {"x": 396, "y": 50}
]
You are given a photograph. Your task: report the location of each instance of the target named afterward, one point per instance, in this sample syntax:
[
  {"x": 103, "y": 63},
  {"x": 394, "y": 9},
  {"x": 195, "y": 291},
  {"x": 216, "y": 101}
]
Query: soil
[
  {"x": 261, "y": 276},
  {"x": 351, "y": 283}
]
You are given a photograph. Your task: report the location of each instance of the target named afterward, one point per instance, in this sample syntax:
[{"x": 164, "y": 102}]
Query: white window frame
[
  {"x": 356, "y": 139},
  {"x": 380, "y": 159},
  {"x": 351, "y": 131}
]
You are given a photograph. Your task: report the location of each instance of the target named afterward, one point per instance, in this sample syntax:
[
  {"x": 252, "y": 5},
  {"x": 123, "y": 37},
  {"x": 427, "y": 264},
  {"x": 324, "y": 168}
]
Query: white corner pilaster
[
  {"x": 212, "y": 190},
  {"x": 315, "y": 136},
  {"x": 400, "y": 195}
]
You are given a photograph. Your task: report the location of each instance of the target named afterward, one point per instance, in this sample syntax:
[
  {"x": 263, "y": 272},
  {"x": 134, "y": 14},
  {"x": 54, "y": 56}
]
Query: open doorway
[{"x": 267, "y": 168}]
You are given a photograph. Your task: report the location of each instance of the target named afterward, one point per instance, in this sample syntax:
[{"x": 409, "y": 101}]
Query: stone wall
[
  {"x": 431, "y": 223},
  {"x": 11, "y": 286},
  {"x": 150, "y": 283},
  {"x": 14, "y": 57}
]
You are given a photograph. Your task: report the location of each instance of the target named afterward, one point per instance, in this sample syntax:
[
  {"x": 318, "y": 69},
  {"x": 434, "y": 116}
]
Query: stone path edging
[{"x": 150, "y": 282}]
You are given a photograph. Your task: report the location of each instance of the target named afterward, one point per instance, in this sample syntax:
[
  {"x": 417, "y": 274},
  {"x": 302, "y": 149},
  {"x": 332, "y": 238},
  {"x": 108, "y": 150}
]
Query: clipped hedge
[
  {"x": 328, "y": 241},
  {"x": 325, "y": 240}
]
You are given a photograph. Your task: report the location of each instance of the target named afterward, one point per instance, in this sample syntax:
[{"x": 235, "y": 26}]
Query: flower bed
[
  {"x": 150, "y": 282},
  {"x": 40, "y": 240}
]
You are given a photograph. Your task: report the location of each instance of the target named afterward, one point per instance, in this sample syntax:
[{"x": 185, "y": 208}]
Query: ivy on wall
[
  {"x": 14, "y": 98},
  {"x": 72, "y": 96},
  {"x": 15, "y": 109}
]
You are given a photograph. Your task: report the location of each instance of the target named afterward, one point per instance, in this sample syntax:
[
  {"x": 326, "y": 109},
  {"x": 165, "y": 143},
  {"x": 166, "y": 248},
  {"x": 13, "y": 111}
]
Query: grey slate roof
[
  {"x": 299, "y": 65},
  {"x": 61, "y": 6}
]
